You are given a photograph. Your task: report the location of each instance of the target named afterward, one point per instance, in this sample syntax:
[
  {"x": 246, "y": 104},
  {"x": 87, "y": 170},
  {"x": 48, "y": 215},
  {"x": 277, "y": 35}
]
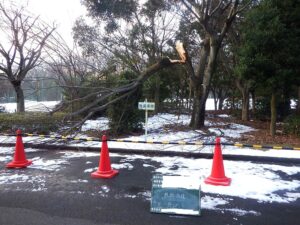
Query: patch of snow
[
  {"x": 245, "y": 177},
  {"x": 50, "y": 165},
  {"x": 90, "y": 170},
  {"x": 5, "y": 158},
  {"x": 79, "y": 181},
  {"x": 292, "y": 196},
  {"x": 99, "y": 124},
  {"x": 129, "y": 196},
  {"x": 122, "y": 166},
  {"x": 44, "y": 106},
  {"x": 235, "y": 130},
  {"x": 14, "y": 178},
  {"x": 146, "y": 195},
  {"x": 72, "y": 154},
  {"x": 105, "y": 188},
  {"x": 293, "y": 103},
  {"x": 208, "y": 202},
  {"x": 224, "y": 116},
  {"x": 241, "y": 212}
]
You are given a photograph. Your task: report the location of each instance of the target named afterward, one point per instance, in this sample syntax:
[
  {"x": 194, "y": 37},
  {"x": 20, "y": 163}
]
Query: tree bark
[
  {"x": 221, "y": 101},
  {"x": 273, "y": 115},
  {"x": 157, "y": 94},
  {"x": 19, "y": 97},
  {"x": 205, "y": 87},
  {"x": 190, "y": 96},
  {"x": 215, "y": 99},
  {"x": 221, "y": 97},
  {"x": 245, "y": 106},
  {"x": 195, "y": 119},
  {"x": 244, "y": 89}
]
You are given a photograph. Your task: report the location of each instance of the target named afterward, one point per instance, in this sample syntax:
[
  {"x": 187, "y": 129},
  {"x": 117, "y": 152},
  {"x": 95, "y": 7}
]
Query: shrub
[
  {"x": 41, "y": 123},
  {"x": 124, "y": 116},
  {"x": 292, "y": 125},
  {"x": 262, "y": 106}
]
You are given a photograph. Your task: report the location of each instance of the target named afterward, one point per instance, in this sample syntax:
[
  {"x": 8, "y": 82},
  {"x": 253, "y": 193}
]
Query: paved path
[{"x": 63, "y": 193}]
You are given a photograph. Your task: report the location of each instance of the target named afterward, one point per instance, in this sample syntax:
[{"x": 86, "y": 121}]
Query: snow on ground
[
  {"x": 158, "y": 132},
  {"x": 50, "y": 165},
  {"x": 31, "y": 106},
  {"x": 234, "y": 131},
  {"x": 246, "y": 176}
]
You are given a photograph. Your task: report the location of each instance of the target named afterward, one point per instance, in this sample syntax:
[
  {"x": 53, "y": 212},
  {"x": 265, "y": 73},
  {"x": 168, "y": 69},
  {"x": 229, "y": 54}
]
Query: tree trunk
[
  {"x": 273, "y": 115},
  {"x": 221, "y": 99},
  {"x": 232, "y": 102},
  {"x": 205, "y": 87},
  {"x": 196, "y": 107},
  {"x": 245, "y": 105},
  {"x": 157, "y": 94},
  {"x": 215, "y": 99},
  {"x": 190, "y": 96},
  {"x": 244, "y": 89},
  {"x": 19, "y": 96}
]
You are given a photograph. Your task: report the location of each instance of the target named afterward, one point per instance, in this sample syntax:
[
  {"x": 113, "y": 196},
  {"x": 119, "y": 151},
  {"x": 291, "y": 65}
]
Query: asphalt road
[{"x": 68, "y": 196}]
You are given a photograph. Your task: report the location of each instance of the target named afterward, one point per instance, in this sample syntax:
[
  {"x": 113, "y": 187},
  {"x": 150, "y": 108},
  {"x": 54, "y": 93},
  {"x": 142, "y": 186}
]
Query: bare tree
[
  {"x": 21, "y": 50},
  {"x": 71, "y": 69}
]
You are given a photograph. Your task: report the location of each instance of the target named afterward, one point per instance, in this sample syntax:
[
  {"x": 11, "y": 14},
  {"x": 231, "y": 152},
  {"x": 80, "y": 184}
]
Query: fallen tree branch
[{"x": 102, "y": 101}]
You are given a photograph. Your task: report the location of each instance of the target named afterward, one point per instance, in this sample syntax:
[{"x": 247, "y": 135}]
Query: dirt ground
[{"x": 261, "y": 135}]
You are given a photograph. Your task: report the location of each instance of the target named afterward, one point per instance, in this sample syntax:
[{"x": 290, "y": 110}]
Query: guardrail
[{"x": 197, "y": 143}]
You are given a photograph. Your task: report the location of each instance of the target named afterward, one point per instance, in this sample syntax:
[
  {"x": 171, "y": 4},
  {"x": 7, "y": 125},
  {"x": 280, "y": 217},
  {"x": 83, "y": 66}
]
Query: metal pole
[{"x": 146, "y": 120}]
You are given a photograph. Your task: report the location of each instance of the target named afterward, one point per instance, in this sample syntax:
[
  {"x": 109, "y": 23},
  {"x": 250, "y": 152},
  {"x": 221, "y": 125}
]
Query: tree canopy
[{"x": 270, "y": 46}]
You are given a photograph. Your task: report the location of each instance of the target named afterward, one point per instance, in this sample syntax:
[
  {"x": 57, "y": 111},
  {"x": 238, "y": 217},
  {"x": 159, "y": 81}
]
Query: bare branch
[
  {"x": 190, "y": 8},
  {"x": 218, "y": 7}
]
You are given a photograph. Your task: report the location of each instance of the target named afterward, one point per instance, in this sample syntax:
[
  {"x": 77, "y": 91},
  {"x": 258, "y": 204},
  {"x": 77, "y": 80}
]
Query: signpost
[
  {"x": 175, "y": 195},
  {"x": 146, "y": 106}
]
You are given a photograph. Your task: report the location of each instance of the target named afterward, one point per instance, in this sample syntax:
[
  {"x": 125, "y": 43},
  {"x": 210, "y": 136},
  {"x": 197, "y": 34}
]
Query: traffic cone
[
  {"x": 217, "y": 176},
  {"x": 104, "y": 170},
  {"x": 19, "y": 160}
]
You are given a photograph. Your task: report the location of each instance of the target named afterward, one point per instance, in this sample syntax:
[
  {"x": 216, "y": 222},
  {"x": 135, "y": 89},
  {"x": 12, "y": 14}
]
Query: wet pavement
[{"x": 58, "y": 189}]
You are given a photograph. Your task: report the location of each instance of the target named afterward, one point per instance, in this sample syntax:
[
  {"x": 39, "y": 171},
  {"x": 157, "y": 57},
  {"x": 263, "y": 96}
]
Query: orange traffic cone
[
  {"x": 104, "y": 170},
  {"x": 19, "y": 160},
  {"x": 217, "y": 176}
]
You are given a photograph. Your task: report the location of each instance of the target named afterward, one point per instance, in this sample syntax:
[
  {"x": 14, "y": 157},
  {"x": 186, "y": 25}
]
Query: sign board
[
  {"x": 175, "y": 195},
  {"x": 146, "y": 105}
]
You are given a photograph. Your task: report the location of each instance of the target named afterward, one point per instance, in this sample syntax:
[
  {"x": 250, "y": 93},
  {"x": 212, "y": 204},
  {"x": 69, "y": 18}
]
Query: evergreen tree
[{"x": 269, "y": 54}]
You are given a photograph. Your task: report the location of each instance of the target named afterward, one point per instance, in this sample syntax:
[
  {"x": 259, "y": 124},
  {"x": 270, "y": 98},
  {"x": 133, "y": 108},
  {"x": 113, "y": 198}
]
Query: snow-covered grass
[{"x": 31, "y": 106}]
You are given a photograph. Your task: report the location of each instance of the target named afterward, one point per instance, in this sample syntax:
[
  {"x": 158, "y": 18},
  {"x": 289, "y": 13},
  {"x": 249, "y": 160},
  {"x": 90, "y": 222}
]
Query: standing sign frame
[{"x": 146, "y": 106}]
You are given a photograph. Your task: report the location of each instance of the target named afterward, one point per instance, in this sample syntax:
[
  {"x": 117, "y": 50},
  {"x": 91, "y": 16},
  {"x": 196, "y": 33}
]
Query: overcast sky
[{"x": 62, "y": 12}]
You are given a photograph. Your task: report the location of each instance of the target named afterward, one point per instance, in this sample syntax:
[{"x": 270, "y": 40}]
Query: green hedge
[
  {"x": 41, "y": 123},
  {"x": 292, "y": 125}
]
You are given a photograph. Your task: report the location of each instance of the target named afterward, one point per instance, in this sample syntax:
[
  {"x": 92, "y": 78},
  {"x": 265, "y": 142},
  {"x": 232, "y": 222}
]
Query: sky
[{"x": 61, "y": 12}]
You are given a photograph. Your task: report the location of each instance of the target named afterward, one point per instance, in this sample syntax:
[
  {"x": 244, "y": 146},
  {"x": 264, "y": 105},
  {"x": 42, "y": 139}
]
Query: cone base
[
  {"x": 17, "y": 165},
  {"x": 107, "y": 174},
  {"x": 225, "y": 181}
]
